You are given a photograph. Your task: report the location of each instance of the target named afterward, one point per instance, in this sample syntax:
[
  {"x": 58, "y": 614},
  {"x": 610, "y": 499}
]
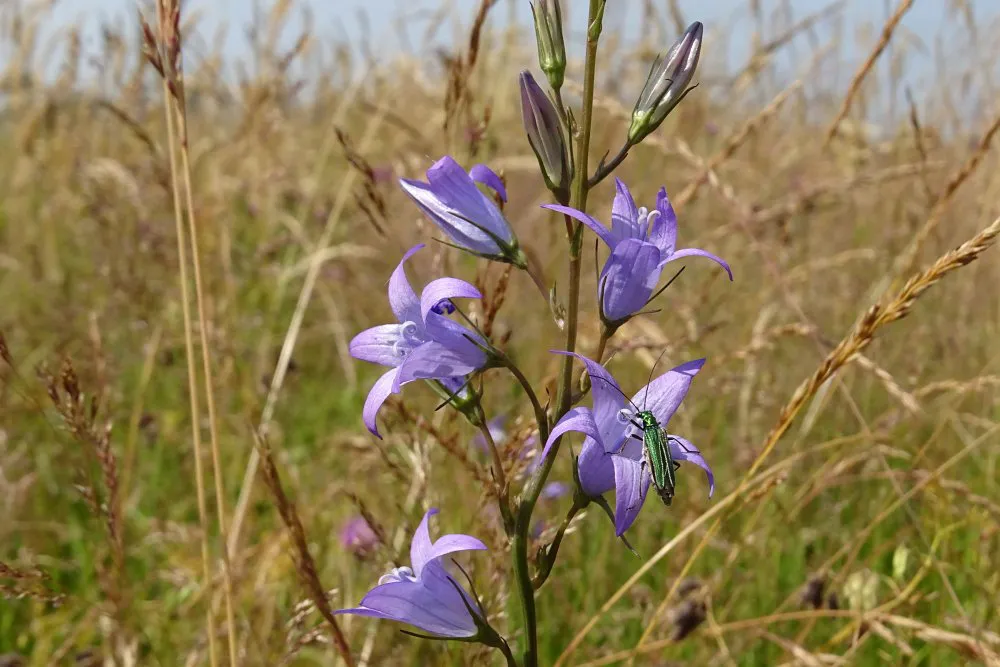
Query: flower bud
[
  {"x": 549, "y": 35},
  {"x": 545, "y": 134},
  {"x": 667, "y": 83}
]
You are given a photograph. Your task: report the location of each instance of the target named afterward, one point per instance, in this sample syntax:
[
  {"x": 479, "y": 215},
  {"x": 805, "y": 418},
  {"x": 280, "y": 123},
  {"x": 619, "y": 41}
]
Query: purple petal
[
  {"x": 422, "y": 550},
  {"x": 456, "y": 189},
  {"x": 683, "y": 450},
  {"x": 631, "y": 484},
  {"x": 441, "y": 289},
  {"x": 629, "y": 278},
  {"x": 460, "y": 231},
  {"x": 697, "y": 252},
  {"x": 578, "y": 419},
  {"x": 597, "y": 474},
  {"x": 431, "y": 603},
  {"x": 435, "y": 361},
  {"x": 663, "y": 231},
  {"x": 454, "y": 336},
  {"x": 402, "y": 299},
  {"x": 663, "y": 395},
  {"x": 608, "y": 401},
  {"x": 624, "y": 215},
  {"x": 483, "y": 174},
  {"x": 376, "y": 397},
  {"x": 590, "y": 221},
  {"x": 384, "y": 344}
]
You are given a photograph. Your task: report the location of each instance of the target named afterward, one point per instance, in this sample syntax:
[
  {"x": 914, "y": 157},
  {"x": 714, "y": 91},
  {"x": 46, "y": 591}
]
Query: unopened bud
[
  {"x": 545, "y": 134},
  {"x": 667, "y": 83},
  {"x": 549, "y": 35}
]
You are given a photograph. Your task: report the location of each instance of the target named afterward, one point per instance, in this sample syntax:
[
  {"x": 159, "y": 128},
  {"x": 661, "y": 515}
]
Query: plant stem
[
  {"x": 550, "y": 554},
  {"x": 511, "y": 662},
  {"x": 498, "y": 474},
  {"x": 604, "y": 169},
  {"x": 534, "y": 486}
]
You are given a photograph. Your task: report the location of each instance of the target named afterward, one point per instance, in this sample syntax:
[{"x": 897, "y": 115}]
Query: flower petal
[
  {"x": 460, "y": 231},
  {"x": 631, "y": 484},
  {"x": 483, "y": 174},
  {"x": 697, "y": 252},
  {"x": 625, "y": 215},
  {"x": 608, "y": 401},
  {"x": 456, "y": 189},
  {"x": 629, "y": 278},
  {"x": 383, "y": 344},
  {"x": 376, "y": 397},
  {"x": 579, "y": 419},
  {"x": 588, "y": 220},
  {"x": 663, "y": 395},
  {"x": 597, "y": 474},
  {"x": 402, "y": 299},
  {"x": 422, "y": 550},
  {"x": 433, "y": 603},
  {"x": 683, "y": 450},
  {"x": 663, "y": 231},
  {"x": 438, "y": 290},
  {"x": 454, "y": 336},
  {"x": 433, "y": 361}
]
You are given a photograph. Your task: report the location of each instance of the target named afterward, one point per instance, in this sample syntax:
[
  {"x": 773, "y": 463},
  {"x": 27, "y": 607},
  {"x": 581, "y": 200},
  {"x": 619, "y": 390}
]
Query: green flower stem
[
  {"x": 549, "y": 558},
  {"x": 533, "y": 489}
]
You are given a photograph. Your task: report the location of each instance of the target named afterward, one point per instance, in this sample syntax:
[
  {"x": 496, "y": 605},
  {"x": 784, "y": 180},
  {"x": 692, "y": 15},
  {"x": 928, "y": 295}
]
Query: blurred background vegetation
[{"x": 885, "y": 491}]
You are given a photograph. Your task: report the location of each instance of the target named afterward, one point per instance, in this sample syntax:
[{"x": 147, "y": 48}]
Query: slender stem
[
  {"x": 534, "y": 486},
  {"x": 206, "y": 365},
  {"x": 553, "y": 550},
  {"x": 199, "y": 474},
  {"x": 507, "y": 654},
  {"x": 540, "y": 417},
  {"x": 605, "y": 168},
  {"x": 498, "y": 473}
]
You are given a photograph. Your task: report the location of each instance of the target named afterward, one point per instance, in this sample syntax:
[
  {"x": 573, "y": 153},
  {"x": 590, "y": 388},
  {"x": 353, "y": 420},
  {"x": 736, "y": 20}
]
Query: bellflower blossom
[
  {"x": 471, "y": 219},
  {"x": 423, "y": 344},
  {"x": 642, "y": 242},
  {"x": 358, "y": 537},
  {"x": 610, "y": 457},
  {"x": 425, "y": 595}
]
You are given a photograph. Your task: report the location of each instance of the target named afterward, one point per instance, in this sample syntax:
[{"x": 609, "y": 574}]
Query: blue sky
[
  {"x": 342, "y": 17},
  {"x": 728, "y": 26}
]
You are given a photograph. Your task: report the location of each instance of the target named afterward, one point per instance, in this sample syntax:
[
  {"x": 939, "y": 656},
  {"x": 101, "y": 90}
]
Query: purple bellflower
[
  {"x": 425, "y": 595},
  {"x": 423, "y": 344},
  {"x": 611, "y": 458},
  {"x": 451, "y": 200},
  {"x": 642, "y": 242},
  {"x": 358, "y": 537}
]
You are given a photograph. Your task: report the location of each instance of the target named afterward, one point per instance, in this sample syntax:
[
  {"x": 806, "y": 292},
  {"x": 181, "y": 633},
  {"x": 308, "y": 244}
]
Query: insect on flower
[
  {"x": 612, "y": 456},
  {"x": 656, "y": 457}
]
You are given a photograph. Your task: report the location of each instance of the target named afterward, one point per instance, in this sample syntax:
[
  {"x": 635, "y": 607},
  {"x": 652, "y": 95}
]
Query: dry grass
[{"x": 856, "y": 461}]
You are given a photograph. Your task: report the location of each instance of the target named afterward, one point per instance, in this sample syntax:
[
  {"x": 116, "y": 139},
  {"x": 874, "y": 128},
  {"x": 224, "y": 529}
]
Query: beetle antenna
[
  {"x": 645, "y": 397},
  {"x": 618, "y": 389}
]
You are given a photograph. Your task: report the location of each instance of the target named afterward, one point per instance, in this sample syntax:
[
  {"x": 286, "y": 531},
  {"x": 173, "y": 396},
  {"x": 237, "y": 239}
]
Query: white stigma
[{"x": 397, "y": 575}]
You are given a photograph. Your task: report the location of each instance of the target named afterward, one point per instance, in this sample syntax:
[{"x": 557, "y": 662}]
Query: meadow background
[{"x": 882, "y": 497}]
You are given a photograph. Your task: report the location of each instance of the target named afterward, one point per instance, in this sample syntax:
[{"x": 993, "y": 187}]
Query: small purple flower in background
[
  {"x": 426, "y": 596},
  {"x": 642, "y": 242},
  {"x": 423, "y": 344},
  {"x": 610, "y": 457},
  {"x": 358, "y": 537},
  {"x": 497, "y": 432},
  {"x": 554, "y": 490},
  {"x": 471, "y": 219},
  {"x": 382, "y": 174}
]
